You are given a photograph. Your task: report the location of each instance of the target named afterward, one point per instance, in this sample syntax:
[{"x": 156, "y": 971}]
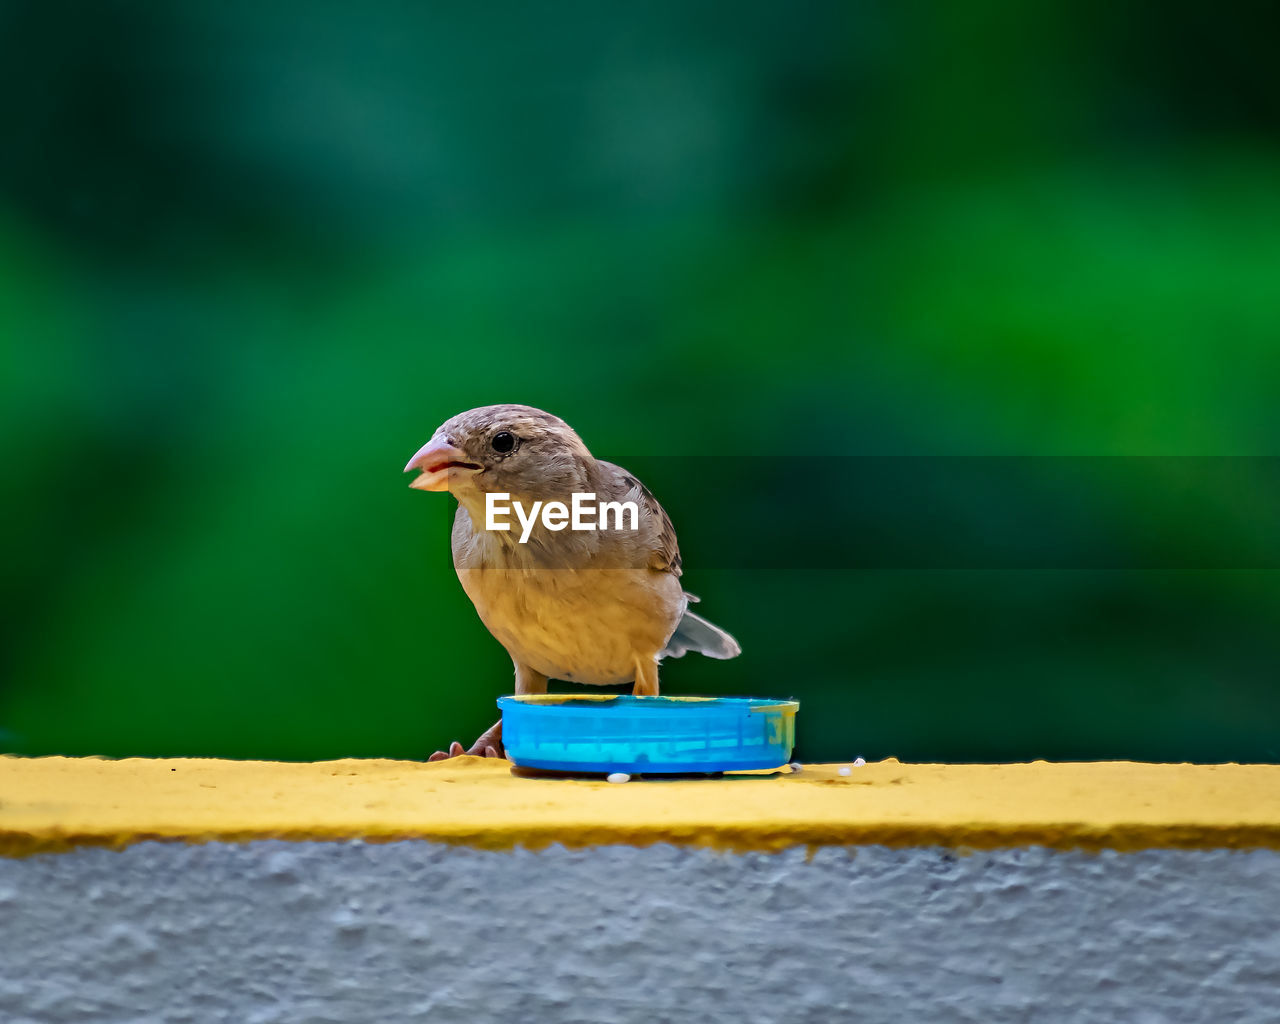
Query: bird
[{"x": 599, "y": 606}]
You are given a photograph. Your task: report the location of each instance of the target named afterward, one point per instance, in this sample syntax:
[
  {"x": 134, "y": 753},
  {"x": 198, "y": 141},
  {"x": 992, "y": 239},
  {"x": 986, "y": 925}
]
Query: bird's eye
[{"x": 504, "y": 442}]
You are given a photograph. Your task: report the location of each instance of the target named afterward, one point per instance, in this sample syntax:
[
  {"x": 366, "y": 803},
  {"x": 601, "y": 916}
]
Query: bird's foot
[{"x": 488, "y": 745}]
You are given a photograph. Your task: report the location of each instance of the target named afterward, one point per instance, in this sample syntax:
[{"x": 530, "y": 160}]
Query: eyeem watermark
[{"x": 582, "y": 513}]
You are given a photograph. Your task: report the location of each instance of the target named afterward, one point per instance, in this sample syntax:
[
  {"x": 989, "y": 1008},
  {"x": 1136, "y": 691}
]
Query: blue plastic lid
[{"x": 621, "y": 733}]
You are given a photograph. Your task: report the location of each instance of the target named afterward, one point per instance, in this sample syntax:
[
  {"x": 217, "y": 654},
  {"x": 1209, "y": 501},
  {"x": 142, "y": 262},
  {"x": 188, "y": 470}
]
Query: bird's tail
[{"x": 694, "y": 633}]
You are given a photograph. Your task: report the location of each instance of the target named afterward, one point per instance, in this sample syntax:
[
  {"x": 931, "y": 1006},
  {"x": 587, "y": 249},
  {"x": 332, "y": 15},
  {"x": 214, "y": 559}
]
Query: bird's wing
[
  {"x": 664, "y": 553},
  {"x": 666, "y": 556}
]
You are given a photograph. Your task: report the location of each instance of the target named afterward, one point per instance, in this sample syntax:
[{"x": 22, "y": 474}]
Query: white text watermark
[{"x": 582, "y": 513}]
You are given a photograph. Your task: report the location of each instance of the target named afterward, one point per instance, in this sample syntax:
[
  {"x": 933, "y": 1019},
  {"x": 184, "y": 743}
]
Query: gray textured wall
[{"x": 307, "y": 933}]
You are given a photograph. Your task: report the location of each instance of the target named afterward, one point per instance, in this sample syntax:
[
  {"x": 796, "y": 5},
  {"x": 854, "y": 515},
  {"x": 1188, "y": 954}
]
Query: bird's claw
[{"x": 483, "y": 747}]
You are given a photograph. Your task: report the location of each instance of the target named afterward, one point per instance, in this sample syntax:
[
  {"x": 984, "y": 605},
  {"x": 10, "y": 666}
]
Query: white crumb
[
  {"x": 846, "y": 770},
  {"x": 796, "y": 766},
  {"x": 618, "y": 777},
  {"x": 859, "y": 762}
]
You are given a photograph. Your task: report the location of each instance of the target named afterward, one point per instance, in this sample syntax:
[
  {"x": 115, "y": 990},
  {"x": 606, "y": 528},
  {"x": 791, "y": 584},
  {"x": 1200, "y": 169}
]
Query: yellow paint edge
[
  {"x": 1122, "y": 839},
  {"x": 57, "y": 804}
]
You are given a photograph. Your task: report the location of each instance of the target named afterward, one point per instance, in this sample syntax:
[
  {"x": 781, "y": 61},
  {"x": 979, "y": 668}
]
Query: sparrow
[{"x": 598, "y": 606}]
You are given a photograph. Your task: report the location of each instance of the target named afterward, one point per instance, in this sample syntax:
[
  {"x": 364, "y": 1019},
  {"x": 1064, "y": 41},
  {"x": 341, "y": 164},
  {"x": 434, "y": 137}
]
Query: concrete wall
[{"x": 308, "y": 933}]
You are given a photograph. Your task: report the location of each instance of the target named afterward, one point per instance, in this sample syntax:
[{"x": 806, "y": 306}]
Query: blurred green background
[{"x": 251, "y": 255}]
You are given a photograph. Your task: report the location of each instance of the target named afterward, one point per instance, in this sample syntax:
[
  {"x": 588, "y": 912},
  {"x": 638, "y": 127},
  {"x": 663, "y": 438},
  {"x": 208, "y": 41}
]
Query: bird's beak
[{"x": 435, "y": 461}]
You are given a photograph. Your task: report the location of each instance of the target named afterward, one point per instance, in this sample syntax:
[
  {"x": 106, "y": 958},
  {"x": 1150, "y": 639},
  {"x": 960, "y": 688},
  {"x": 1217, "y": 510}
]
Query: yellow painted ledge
[{"x": 56, "y": 803}]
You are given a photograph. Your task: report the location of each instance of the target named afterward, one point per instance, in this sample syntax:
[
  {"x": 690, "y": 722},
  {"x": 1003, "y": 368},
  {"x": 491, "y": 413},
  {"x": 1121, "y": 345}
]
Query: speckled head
[{"x": 513, "y": 449}]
